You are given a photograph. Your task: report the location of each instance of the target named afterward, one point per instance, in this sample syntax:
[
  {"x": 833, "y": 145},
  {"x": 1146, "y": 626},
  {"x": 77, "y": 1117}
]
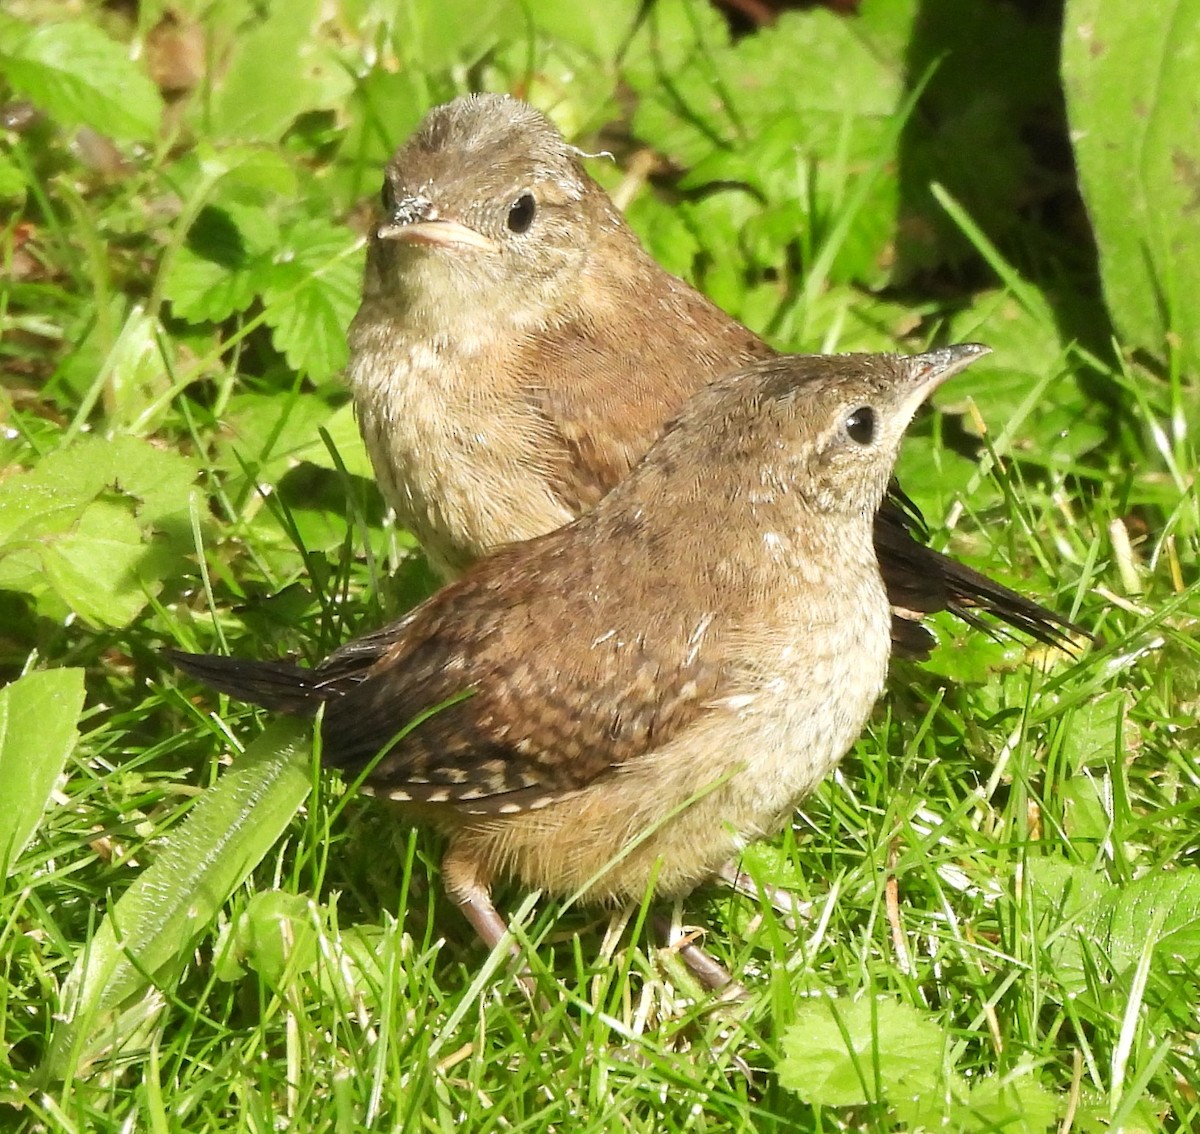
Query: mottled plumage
[
  {"x": 637, "y": 694},
  {"x": 517, "y": 351}
]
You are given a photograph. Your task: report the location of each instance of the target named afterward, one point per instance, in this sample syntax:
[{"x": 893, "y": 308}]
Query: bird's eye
[
  {"x": 520, "y": 213},
  {"x": 387, "y": 197},
  {"x": 860, "y": 425}
]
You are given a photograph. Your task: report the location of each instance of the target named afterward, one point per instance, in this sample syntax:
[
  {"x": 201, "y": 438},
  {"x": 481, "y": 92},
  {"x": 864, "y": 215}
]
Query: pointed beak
[
  {"x": 435, "y": 232},
  {"x": 929, "y": 370},
  {"x": 938, "y": 365}
]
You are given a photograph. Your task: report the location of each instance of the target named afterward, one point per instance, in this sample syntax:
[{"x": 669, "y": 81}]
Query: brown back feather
[{"x": 514, "y": 729}]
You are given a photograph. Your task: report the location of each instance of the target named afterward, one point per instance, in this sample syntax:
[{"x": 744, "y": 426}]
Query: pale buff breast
[{"x": 458, "y": 457}]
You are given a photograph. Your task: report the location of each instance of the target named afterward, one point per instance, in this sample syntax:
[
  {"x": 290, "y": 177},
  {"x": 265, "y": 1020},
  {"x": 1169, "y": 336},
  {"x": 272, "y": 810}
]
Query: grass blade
[{"x": 38, "y": 714}]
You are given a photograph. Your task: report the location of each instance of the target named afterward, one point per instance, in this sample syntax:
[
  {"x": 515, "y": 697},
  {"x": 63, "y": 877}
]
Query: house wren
[
  {"x": 619, "y": 700},
  {"x": 517, "y": 351}
]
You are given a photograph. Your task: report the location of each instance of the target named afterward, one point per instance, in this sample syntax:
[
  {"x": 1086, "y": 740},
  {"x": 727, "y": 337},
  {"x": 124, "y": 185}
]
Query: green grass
[{"x": 999, "y": 886}]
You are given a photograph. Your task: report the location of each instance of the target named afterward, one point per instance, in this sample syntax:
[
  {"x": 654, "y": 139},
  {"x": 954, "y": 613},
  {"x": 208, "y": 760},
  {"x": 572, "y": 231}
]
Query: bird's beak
[
  {"x": 929, "y": 370},
  {"x": 938, "y": 365},
  {"x": 440, "y": 233}
]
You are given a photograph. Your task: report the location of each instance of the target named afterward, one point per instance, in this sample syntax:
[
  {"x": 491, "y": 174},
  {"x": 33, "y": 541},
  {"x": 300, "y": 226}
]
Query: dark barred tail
[
  {"x": 277, "y": 685},
  {"x": 972, "y": 593},
  {"x": 921, "y": 580}
]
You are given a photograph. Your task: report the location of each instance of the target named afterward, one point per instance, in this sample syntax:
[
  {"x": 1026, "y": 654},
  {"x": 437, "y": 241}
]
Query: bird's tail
[
  {"x": 922, "y": 581},
  {"x": 280, "y": 686},
  {"x": 971, "y": 593},
  {"x": 931, "y": 581}
]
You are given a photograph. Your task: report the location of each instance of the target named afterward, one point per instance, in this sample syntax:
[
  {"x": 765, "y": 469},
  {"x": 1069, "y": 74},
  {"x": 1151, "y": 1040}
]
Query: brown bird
[
  {"x": 637, "y": 694},
  {"x": 517, "y": 351}
]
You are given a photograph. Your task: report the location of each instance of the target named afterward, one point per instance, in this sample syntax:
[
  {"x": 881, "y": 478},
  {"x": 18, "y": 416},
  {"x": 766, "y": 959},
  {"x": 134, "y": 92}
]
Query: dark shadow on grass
[{"x": 991, "y": 128}]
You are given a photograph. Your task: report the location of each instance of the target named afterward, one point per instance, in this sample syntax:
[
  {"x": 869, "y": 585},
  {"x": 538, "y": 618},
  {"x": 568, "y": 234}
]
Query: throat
[{"x": 456, "y": 304}]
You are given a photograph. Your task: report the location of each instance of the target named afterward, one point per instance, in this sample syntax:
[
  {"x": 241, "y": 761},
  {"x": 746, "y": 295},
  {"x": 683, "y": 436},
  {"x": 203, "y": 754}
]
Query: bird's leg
[
  {"x": 469, "y": 887},
  {"x": 707, "y": 970},
  {"x": 780, "y": 900}
]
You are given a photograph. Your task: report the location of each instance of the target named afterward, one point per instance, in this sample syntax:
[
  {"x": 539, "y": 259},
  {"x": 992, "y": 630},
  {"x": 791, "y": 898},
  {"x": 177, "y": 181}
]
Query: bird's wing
[
  {"x": 505, "y": 704},
  {"x": 612, "y": 394}
]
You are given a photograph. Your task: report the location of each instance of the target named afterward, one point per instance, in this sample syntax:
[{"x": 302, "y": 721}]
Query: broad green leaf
[
  {"x": 279, "y": 934},
  {"x": 272, "y": 433},
  {"x": 1071, "y": 902},
  {"x": 268, "y": 434},
  {"x": 275, "y": 930},
  {"x": 230, "y": 12},
  {"x": 1142, "y": 1115},
  {"x": 96, "y": 526},
  {"x": 80, "y": 77},
  {"x": 225, "y": 263},
  {"x": 101, "y": 568},
  {"x": 1016, "y": 1104},
  {"x": 673, "y": 36},
  {"x": 1169, "y": 900},
  {"x": 343, "y": 431},
  {"x": 313, "y": 294},
  {"x": 600, "y": 29},
  {"x": 1093, "y": 732},
  {"x": 1019, "y": 1105},
  {"x": 359, "y": 977},
  {"x": 229, "y": 251},
  {"x": 1084, "y": 816},
  {"x": 1031, "y": 402},
  {"x": 252, "y": 174},
  {"x": 1134, "y": 103},
  {"x": 149, "y": 934},
  {"x": 1088, "y": 922},
  {"x": 743, "y": 116},
  {"x": 565, "y": 61},
  {"x": 202, "y": 290},
  {"x": 38, "y": 715},
  {"x": 804, "y": 136},
  {"x": 279, "y": 68},
  {"x": 444, "y": 35},
  {"x": 839, "y": 1052}
]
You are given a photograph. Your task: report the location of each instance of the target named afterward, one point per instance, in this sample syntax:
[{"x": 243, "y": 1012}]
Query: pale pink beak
[{"x": 443, "y": 233}]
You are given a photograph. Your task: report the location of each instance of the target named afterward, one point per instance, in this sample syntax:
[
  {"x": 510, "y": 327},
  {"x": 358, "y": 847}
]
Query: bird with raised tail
[{"x": 637, "y": 694}]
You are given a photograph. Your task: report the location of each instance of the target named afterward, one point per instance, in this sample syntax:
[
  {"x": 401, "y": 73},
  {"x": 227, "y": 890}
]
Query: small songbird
[
  {"x": 637, "y": 694},
  {"x": 517, "y": 351}
]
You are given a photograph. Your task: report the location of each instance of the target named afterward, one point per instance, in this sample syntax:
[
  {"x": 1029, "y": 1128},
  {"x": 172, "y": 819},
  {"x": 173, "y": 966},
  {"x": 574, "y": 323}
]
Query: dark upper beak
[
  {"x": 415, "y": 220},
  {"x": 926, "y": 372}
]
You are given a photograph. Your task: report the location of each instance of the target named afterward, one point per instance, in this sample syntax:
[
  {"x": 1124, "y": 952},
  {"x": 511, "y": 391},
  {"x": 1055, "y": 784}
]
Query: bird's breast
[
  {"x": 677, "y": 813},
  {"x": 458, "y": 453},
  {"x": 806, "y": 685}
]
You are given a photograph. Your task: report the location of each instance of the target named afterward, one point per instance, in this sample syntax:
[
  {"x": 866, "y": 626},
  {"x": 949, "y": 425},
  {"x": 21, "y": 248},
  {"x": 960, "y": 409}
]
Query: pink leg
[
  {"x": 707, "y": 970},
  {"x": 780, "y": 900},
  {"x": 469, "y": 888}
]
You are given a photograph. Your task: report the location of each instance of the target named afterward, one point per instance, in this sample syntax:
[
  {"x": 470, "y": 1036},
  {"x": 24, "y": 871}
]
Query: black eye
[
  {"x": 860, "y": 425},
  {"x": 520, "y": 213},
  {"x": 387, "y": 197}
]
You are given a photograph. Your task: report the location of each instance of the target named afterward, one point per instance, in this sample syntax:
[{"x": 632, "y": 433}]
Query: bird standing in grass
[{"x": 639, "y": 693}]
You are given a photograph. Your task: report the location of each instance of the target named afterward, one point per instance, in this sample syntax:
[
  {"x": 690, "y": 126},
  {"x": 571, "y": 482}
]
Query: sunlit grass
[{"x": 939, "y": 868}]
